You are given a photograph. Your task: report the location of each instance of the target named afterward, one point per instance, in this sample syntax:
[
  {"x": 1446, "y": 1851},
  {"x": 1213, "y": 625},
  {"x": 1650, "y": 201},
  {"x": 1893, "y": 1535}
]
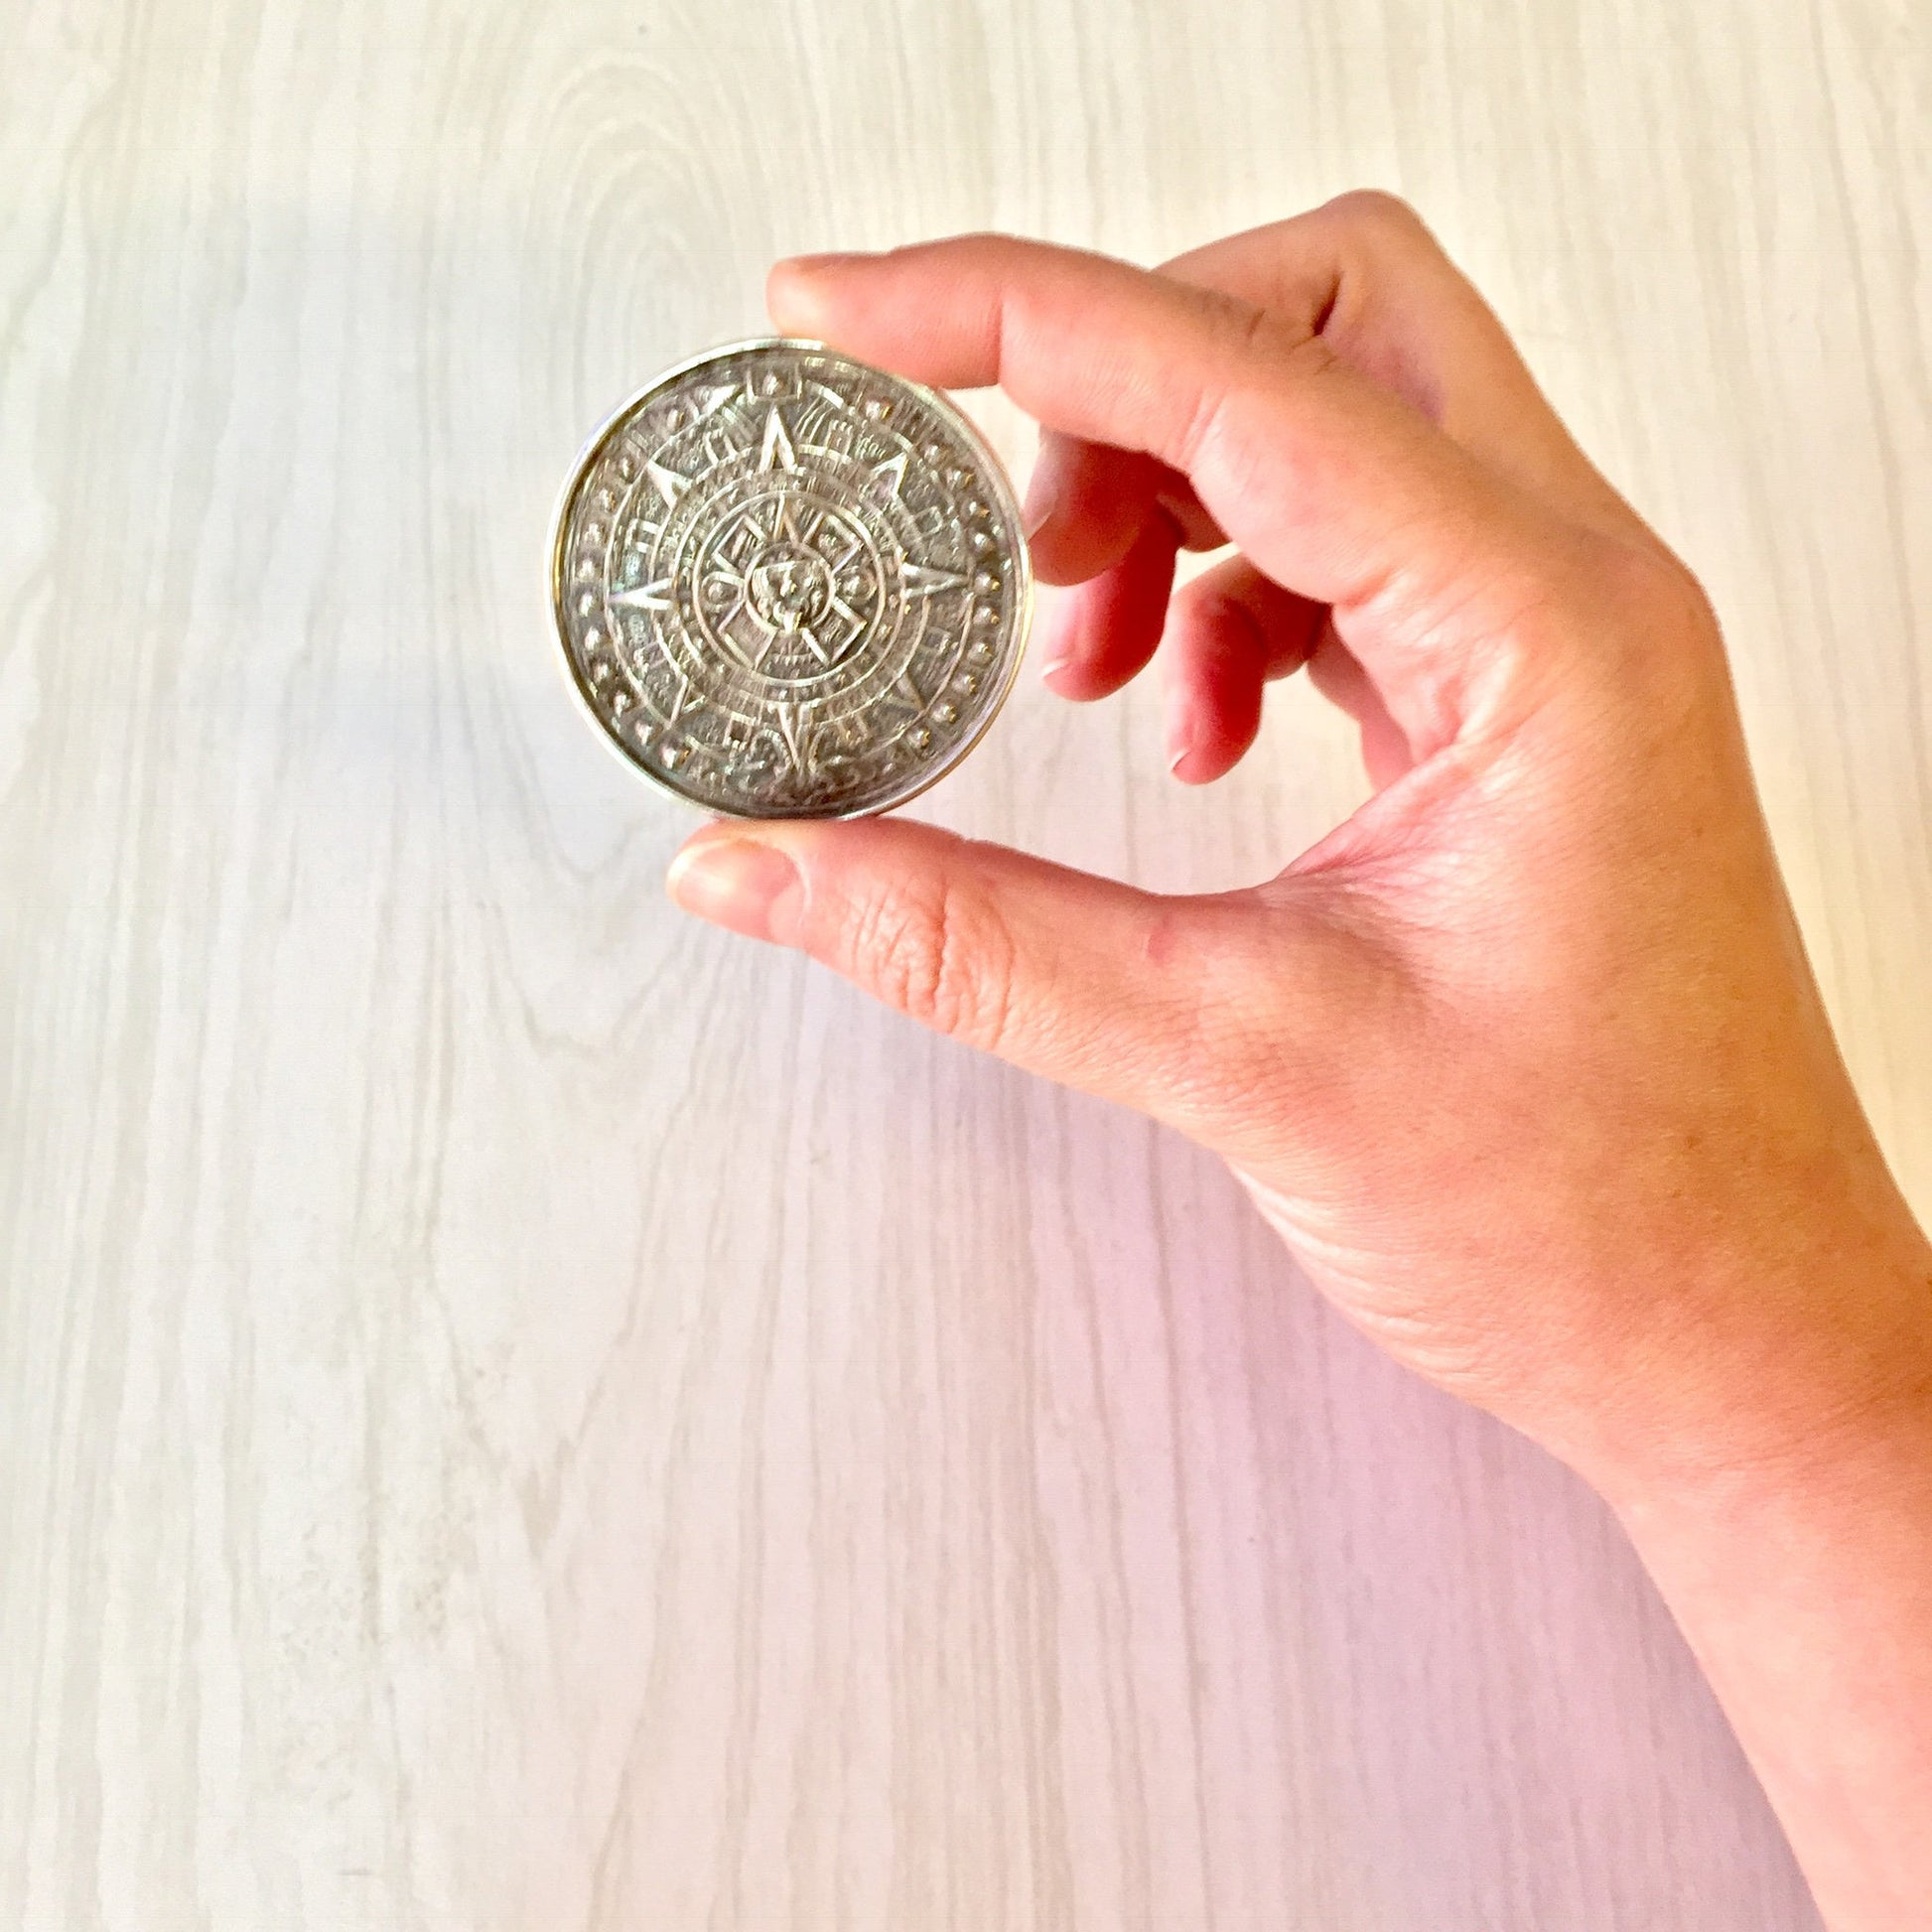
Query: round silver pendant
[{"x": 790, "y": 585}]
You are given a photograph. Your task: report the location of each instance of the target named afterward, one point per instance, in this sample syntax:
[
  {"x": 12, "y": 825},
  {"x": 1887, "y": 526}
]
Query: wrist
[
  {"x": 1796, "y": 1556},
  {"x": 1826, "y": 1392}
]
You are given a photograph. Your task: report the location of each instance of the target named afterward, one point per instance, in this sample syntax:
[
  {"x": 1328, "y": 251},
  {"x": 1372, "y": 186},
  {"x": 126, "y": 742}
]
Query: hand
[{"x": 1524, "y": 1060}]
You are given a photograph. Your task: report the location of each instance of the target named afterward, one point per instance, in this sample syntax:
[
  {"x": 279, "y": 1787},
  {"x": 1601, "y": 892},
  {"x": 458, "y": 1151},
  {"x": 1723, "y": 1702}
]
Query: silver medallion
[{"x": 790, "y": 585}]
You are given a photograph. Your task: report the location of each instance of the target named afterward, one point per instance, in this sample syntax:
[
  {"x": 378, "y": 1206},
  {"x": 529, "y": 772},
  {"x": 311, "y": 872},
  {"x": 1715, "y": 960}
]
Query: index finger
[
  {"x": 1367, "y": 272},
  {"x": 1335, "y": 488}
]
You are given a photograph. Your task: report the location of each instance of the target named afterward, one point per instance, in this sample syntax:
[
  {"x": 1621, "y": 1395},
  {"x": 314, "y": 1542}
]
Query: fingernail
[
  {"x": 1038, "y": 513},
  {"x": 811, "y": 264},
  {"x": 795, "y": 304},
  {"x": 738, "y": 883},
  {"x": 1062, "y": 646},
  {"x": 1180, "y": 743}
]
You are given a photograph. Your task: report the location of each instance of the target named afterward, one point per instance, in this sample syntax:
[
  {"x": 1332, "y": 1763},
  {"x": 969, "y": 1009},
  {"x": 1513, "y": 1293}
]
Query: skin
[{"x": 1524, "y": 1062}]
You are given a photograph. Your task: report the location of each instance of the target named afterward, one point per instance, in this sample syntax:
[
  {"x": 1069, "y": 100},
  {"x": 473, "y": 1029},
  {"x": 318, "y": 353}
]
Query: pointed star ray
[
  {"x": 644, "y": 597},
  {"x": 790, "y": 724},
  {"x": 778, "y": 452},
  {"x": 754, "y": 658},
  {"x": 670, "y": 485}
]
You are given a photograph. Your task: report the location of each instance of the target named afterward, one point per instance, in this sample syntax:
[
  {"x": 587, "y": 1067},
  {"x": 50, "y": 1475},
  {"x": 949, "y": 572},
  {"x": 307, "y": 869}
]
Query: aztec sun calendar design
[{"x": 790, "y": 585}]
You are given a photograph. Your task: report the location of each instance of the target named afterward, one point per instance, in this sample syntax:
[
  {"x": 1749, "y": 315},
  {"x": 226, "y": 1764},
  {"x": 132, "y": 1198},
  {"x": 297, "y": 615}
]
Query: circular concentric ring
[{"x": 790, "y": 585}]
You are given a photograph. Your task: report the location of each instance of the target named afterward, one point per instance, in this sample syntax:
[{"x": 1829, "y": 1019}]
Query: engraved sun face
[{"x": 789, "y": 586}]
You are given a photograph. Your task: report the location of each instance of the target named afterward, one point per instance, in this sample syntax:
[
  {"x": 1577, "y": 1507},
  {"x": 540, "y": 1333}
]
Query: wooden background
[{"x": 519, "y": 1413}]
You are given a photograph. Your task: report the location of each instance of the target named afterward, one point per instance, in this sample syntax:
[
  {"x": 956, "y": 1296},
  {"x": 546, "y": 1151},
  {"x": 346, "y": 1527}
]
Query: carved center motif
[{"x": 787, "y": 587}]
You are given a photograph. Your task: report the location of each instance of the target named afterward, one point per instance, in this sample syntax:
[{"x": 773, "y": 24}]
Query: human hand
[{"x": 1524, "y": 1060}]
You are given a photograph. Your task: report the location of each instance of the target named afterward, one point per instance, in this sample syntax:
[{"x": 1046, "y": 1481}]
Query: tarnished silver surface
[{"x": 790, "y": 585}]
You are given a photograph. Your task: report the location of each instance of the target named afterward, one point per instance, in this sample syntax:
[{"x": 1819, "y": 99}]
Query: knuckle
[
  {"x": 1669, "y": 592},
  {"x": 1247, "y": 326},
  {"x": 940, "y": 951},
  {"x": 1246, "y": 333},
  {"x": 1225, "y": 1059},
  {"x": 1196, "y": 606},
  {"x": 1621, "y": 616},
  {"x": 1206, "y": 416},
  {"x": 1243, "y": 328},
  {"x": 1648, "y": 591},
  {"x": 976, "y": 249},
  {"x": 1376, "y": 212}
]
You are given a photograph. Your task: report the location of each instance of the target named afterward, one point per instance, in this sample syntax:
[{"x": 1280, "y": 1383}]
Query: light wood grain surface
[{"x": 519, "y": 1413}]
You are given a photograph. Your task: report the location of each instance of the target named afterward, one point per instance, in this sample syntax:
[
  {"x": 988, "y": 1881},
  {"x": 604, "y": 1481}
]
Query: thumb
[{"x": 1145, "y": 1000}]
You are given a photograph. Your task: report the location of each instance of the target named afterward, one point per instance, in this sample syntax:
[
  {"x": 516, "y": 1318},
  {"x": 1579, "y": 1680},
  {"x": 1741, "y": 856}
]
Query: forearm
[{"x": 1804, "y": 1584}]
